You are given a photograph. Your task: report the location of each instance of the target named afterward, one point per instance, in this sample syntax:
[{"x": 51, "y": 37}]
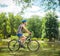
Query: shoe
[{"x": 22, "y": 46}]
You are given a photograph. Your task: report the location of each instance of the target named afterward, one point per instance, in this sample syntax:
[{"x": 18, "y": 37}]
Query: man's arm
[{"x": 26, "y": 30}]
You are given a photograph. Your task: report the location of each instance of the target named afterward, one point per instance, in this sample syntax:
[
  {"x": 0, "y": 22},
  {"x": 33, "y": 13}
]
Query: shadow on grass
[{"x": 24, "y": 52}]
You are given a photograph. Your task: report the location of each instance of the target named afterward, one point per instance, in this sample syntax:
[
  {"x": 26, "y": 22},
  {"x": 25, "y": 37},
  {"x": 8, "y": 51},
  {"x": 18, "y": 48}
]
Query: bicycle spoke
[
  {"x": 33, "y": 45},
  {"x": 13, "y": 45}
]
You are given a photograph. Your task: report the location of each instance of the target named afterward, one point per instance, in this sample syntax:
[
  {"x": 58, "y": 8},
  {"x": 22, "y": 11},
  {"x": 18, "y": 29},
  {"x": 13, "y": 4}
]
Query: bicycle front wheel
[
  {"x": 33, "y": 45},
  {"x": 13, "y": 45}
]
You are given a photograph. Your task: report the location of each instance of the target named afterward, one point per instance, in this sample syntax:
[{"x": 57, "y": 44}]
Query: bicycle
[{"x": 32, "y": 45}]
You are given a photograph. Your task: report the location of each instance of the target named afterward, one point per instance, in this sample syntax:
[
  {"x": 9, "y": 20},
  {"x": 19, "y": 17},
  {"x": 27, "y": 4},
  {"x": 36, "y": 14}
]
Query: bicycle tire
[
  {"x": 29, "y": 43},
  {"x": 15, "y": 45}
]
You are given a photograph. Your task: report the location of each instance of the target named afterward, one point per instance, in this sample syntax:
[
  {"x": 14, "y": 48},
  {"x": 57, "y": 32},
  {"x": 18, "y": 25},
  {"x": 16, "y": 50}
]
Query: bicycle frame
[{"x": 27, "y": 39}]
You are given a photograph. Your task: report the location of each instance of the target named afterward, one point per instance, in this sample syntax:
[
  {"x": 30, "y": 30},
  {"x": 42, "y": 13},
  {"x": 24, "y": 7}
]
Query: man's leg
[{"x": 22, "y": 39}]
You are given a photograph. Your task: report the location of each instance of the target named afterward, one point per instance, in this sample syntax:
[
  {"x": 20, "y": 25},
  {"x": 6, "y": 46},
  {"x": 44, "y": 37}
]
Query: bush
[
  {"x": 34, "y": 25},
  {"x": 50, "y": 26}
]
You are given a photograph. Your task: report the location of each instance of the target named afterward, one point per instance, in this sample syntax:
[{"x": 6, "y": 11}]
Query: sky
[{"x": 10, "y": 6}]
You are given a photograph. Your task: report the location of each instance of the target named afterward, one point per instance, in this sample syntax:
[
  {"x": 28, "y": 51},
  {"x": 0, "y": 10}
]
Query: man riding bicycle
[
  {"x": 14, "y": 45},
  {"x": 22, "y": 27}
]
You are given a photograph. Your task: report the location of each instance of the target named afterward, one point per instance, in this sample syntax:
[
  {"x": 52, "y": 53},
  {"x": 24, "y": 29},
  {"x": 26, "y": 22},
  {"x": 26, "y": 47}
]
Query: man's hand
[{"x": 30, "y": 33}]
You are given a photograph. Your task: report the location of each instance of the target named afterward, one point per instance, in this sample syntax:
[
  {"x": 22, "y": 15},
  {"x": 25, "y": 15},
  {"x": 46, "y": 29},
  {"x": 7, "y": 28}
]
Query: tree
[
  {"x": 34, "y": 25},
  {"x": 14, "y": 22},
  {"x": 11, "y": 20},
  {"x": 50, "y": 4},
  {"x": 24, "y": 3},
  {"x": 43, "y": 33},
  {"x": 44, "y": 4},
  {"x": 9, "y": 25},
  {"x": 51, "y": 26},
  {"x": 3, "y": 24},
  {"x": 18, "y": 20}
]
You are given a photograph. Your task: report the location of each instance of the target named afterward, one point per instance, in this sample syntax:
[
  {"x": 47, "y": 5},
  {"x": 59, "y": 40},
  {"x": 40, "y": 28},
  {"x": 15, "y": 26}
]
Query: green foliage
[
  {"x": 51, "y": 26},
  {"x": 59, "y": 23},
  {"x": 9, "y": 25},
  {"x": 14, "y": 22},
  {"x": 27, "y": 1},
  {"x": 3, "y": 24},
  {"x": 45, "y": 4},
  {"x": 18, "y": 19},
  {"x": 24, "y": 3},
  {"x": 48, "y": 27},
  {"x": 43, "y": 27},
  {"x": 34, "y": 25},
  {"x": 50, "y": 4}
]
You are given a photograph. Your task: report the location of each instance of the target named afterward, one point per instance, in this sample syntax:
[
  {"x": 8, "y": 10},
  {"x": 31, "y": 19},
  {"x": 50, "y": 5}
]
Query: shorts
[{"x": 19, "y": 34}]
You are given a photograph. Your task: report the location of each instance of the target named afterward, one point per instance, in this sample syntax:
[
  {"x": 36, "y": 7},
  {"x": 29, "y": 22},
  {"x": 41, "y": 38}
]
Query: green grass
[
  {"x": 46, "y": 49},
  {"x": 24, "y": 52}
]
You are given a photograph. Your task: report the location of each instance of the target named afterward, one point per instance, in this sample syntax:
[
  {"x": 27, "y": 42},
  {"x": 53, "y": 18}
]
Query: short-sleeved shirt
[
  {"x": 19, "y": 32},
  {"x": 20, "y": 28}
]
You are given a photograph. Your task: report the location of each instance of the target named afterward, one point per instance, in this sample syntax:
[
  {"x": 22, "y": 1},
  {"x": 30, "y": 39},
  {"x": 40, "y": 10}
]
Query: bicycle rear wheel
[
  {"x": 13, "y": 45},
  {"x": 33, "y": 45}
]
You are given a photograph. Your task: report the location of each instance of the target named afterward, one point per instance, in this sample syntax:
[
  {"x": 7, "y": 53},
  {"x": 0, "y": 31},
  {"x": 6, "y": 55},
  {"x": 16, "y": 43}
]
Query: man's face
[{"x": 25, "y": 23}]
